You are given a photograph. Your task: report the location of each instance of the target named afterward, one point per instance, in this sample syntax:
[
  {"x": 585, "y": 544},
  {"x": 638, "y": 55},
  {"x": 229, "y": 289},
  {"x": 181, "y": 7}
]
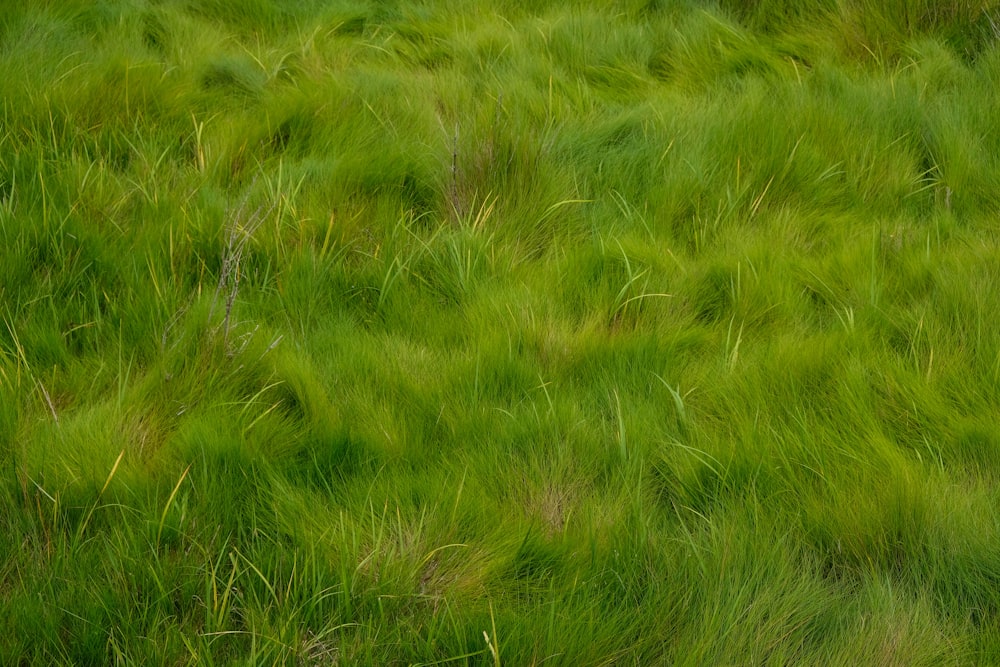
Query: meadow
[{"x": 443, "y": 332}]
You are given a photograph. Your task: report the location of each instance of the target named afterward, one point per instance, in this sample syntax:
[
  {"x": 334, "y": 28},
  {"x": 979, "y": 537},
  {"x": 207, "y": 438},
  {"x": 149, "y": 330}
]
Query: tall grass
[{"x": 499, "y": 333}]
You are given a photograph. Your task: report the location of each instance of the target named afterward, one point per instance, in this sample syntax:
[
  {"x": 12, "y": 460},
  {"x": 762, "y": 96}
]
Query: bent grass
[{"x": 675, "y": 350}]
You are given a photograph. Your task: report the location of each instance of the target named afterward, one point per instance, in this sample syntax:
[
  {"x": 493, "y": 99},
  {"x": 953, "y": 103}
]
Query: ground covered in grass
[{"x": 471, "y": 332}]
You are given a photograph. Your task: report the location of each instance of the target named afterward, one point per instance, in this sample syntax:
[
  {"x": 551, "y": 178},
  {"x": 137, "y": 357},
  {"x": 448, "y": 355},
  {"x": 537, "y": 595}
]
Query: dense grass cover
[{"x": 511, "y": 333}]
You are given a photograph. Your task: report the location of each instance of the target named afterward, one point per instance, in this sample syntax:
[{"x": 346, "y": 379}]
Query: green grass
[{"x": 500, "y": 333}]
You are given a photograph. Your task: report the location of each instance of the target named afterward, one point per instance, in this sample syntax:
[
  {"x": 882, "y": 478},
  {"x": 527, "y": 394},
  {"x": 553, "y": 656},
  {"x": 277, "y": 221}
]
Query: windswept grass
[{"x": 499, "y": 333}]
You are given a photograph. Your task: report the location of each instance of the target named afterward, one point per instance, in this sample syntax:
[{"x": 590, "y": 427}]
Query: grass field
[{"x": 345, "y": 332}]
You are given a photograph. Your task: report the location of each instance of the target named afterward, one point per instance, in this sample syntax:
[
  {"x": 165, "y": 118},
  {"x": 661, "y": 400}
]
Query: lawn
[{"x": 445, "y": 332}]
